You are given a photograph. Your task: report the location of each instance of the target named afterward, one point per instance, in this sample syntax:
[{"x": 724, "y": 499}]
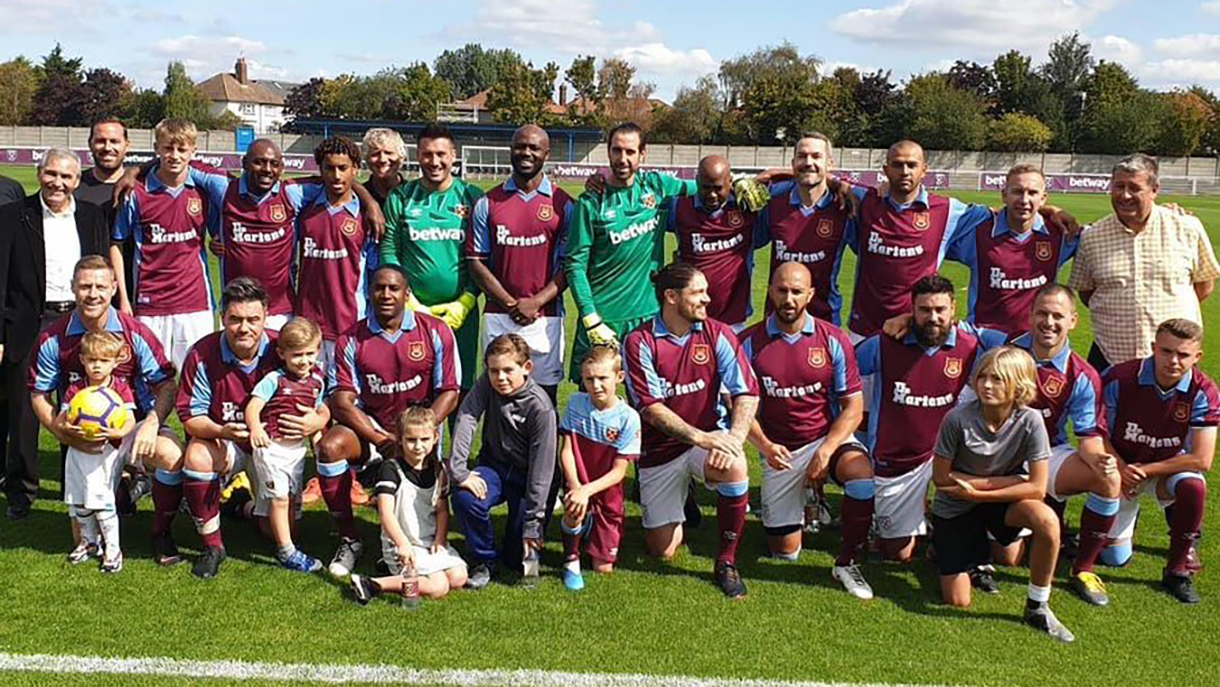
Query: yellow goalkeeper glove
[
  {"x": 414, "y": 305},
  {"x": 600, "y": 334},
  {"x": 751, "y": 195},
  {"x": 454, "y": 313}
]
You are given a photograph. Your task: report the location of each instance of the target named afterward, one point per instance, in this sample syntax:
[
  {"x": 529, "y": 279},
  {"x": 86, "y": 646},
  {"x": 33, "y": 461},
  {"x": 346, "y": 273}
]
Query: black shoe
[
  {"x": 729, "y": 580},
  {"x": 1069, "y": 545},
  {"x": 982, "y": 578},
  {"x": 1180, "y": 587},
  {"x": 694, "y": 516},
  {"x": 209, "y": 562},
  {"x": 364, "y": 589},
  {"x": 480, "y": 576},
  {"x": 380, "y": 569},
  {"x": 233, "y": 508},
  {"x": 17, "y": 512},
  {"x": 165, "y": 552},
  {"x": 139, "y": 487}
]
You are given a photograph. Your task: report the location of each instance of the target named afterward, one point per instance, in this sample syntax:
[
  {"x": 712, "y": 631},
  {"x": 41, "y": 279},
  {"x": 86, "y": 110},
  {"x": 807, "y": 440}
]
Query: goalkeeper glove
[
  {"x": 454, "y": 313},
  {"x": 751, "y": 195},
  {"x": 600, "y": 334},
  {"x": 414, "y": 305}
]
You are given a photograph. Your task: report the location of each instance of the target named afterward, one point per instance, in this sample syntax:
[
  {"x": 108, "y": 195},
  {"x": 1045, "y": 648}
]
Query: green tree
[
  {"x": 181, "y": 99},
  {"x": 974, "y": 77},
  {"x": 1114, "y": 101},
  {"x": 1018, "y": 133},
  {"x": 1211, "y": 138},
  {"x": 18, "y": 83},
  {"x": 694, "y": 116},
  {"x": 943, "y": 117},
  {"x": 781, "y": 94},
  {"x": 740, "y": 73},
  {"x": 581, "y": 75},
  {"x": 1066, "y": 73},
  {"x": 522, "y": 93},
  {"x": 414, "y": 95},
  {"x": 1186, "y": 119},
  {"x": 472, "y": 69},
  {"x": 57, "y": 100},
  {"x": 103, "y": 93},
  {"x": 142, "y": 109}
]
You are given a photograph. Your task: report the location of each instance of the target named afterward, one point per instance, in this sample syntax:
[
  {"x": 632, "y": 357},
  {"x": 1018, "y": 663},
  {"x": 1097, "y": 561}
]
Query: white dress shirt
[{"x": 62, "y": 244}]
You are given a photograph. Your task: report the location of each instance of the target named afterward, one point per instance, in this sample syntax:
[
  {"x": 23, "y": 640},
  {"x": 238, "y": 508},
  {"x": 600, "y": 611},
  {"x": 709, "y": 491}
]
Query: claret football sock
[
  {"x": 1096, "y": 519},
  {"x": 202, "y": 491},
  {"x": 857, "y": 516},
  {"x": 336, "y": 482},
  {"x": 1189, "y": 496},
  {"x": 166, "y": 496},
  {"x": 731, "y": 518}
]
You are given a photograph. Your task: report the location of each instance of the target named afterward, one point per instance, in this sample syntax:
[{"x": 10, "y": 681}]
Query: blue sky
[{"x": 672, "y": 42}]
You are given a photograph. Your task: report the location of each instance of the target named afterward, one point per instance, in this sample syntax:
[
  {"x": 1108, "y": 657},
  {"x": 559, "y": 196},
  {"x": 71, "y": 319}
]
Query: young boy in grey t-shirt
[{"x": 990, "y": 473}]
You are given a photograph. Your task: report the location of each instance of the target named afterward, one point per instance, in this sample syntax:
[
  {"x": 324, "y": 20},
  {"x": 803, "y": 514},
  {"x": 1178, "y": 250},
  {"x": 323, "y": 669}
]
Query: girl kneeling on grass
[
  {"x": 411, "y": 490},
  {"x": 990, "y": 473}
]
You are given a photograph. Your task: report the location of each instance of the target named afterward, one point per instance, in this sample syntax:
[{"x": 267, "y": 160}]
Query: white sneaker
[{"x": 853, "y": 581}]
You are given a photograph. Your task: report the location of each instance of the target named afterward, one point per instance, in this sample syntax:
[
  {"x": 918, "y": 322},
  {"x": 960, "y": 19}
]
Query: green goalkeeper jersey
[
  {"x": 425, "y": 233},
  {"x": 615, "y": 244}
]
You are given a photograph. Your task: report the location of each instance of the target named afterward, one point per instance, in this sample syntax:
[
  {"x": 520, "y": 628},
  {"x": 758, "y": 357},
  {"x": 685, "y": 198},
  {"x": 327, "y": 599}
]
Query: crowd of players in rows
[{"x": 373, "y": 292}]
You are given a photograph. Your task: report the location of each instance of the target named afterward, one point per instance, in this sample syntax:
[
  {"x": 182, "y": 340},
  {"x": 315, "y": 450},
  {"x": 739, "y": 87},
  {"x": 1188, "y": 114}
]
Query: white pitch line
[{"x": 378, "y": 674}]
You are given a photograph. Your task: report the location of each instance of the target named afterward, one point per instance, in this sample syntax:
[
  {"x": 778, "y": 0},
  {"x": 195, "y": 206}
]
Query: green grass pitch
[{"x": 649, "y": 617}]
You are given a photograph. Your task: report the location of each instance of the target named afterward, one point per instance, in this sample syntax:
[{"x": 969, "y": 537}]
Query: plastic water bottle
[
  {"x": 813, "y": 521},
  {"x": 410, "y": 588},
  {"x": 530, "y": 570}
]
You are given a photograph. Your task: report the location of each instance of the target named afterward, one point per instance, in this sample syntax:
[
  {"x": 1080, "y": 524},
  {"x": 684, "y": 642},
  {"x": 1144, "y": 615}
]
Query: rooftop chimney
[
  {"x": 241, "y": 71},
  {"x": 563, "y": 94}
]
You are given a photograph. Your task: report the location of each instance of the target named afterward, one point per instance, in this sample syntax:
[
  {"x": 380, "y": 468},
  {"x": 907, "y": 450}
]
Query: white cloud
[
  {"x": 657, "y": 58},
  {"x": 1181, "y": 72},
  {"x": 1199, "y": 45},
  {"x": 1024, "y": 24},
  {"x": 64, "y": 16},
  {"x": 206, "y": 56},
  {"x": 1118, "y": 49},
  {"x": 1210, "y": 7}
]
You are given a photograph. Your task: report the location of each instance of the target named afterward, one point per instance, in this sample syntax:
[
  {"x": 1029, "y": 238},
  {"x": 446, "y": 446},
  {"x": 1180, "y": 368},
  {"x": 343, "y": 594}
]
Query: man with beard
[
  {"x": 679, "y": 365},
  {"x": 614, "y": 247},
  {"x": 384, "y": 363},
  {"x": 108, "y": 145},
  {"x": 426, "y": 224},
  {"x": 513, "y": 251},
  {"x": 919, "y": 379},
  {"x": 811, "y": 403}
]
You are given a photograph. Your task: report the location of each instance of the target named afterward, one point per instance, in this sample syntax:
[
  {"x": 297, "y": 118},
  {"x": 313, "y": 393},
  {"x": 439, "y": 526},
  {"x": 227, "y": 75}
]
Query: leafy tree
[
  {"x": 879, "y": 101},
  {"x": 581, "y": 75},
  {"x": 944, "y": 117},
  {"x": 54, "y": 64},
  {"x": 103, "y": 93},
  {"x": 182, "y": 101},
  {"x": 18, "y": 83},
  {"x": 1018, "y": 133},
  {"x": 1113, "y": 100},
  {"x": 1211, "y": 137},
  {"x": 1186, "y": 119},
  {"x": 1066, "y": 72},
  {"x": 781, "y": 94},
  {"x": 415, "y": 94},
  {"x": 522, "y": 93},
  {"x": 472, "y": 69},
  {"x": 973, "y": 77},
  {"x": 57, "y": 100},
  {"x": 739, "y": 74},
  {"x": 694, "y": 116},
  {"x": 306, "y": 99},
  {"x": 1014, "y": 82},
  {"x": 142, "y": 109}
]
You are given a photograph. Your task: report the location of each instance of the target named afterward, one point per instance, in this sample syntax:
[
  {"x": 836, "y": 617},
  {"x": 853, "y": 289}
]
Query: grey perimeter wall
[{"x": 1181, "y": 175}]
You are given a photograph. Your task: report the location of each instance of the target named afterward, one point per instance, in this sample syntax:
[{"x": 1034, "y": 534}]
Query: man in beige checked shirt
[{"x": 1140, "y": 266}]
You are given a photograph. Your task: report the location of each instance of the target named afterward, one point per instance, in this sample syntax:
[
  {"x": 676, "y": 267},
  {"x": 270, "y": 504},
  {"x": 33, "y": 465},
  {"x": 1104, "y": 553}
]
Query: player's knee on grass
[
  {"x": 955, "y": 590},
  {"x": 784, "y": 541},
  {"x": 663, "y": 541},
  {"x": 602, "y": 567},
  {"x": 899, "y": 550},
  {"x": 1042, "y": 521},
  {"x": 434, "y": 586},
  {"x": 1008, "y": 556},
  {"x": 456, "y": 576}
]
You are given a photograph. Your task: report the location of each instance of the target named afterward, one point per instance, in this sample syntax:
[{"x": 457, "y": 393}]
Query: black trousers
[
  {"x": 21, "y": 456},
  {"x": 1098, "y": 359}
]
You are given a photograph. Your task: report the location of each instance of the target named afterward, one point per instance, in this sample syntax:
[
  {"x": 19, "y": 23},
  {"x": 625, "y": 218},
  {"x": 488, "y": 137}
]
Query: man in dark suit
[
  {"x": 10, "y": 191},
  {"x": 41, "y": 238}
]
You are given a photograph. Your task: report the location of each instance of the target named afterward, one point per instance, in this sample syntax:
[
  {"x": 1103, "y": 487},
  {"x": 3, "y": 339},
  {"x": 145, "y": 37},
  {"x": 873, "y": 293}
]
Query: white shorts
[
  {"x": 280, "y": 468},
  {"x": 426, "y": 562},
  {"x": 866, "y": 381},
  {"x": 177, "y": 333},
  {"x": 1129, "y": 508},
  {"x": 91, "y": 478},
  {"x": 663, "y": 488},
  {"x": 544, "y": 336},
  {"x": 900, "y": 501},
  {"x": 237, "y": 460},
  {"x": 277, "y": 322},
  {"x": 783, "y": 491},
  {"x": 1059, "y": 456}
]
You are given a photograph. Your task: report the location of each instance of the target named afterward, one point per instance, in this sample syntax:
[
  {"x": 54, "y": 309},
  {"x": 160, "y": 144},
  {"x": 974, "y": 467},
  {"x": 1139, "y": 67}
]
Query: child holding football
[
  {"x": 96, "y": 427},
  {"x": 279, "y": 453},
  {"x": 601, "y": 435},
  {"x": 411, "y": 501},
  {"x": 990, "y": 472}
]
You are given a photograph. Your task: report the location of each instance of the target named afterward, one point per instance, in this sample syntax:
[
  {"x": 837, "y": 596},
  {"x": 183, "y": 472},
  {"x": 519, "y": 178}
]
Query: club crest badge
[
  {"x": 349, "y": 227},
  {"x": 611, "y": 434},
  {"x": 461, "y": 211},
  {"x": 1042, "y": 250},
  {"x": 278, "y": 213},
  {"x": 1181, "y": 412},
  {"x": 545, "y": 213},
  {"x": 415, "y": 351},
  {"x": 817, "y": 357},
  {"x": 1052, "y": 386},
  {"x": 921, "y": 221},
  {"x": 953, "y": 368},
  {"x": 824, "y": 228},
  {"x": 700, "y": 354},
  {"x": 734, "y": 219},
  {"x": 194, "y": 207},
  {"x": 649, "y": 200}
]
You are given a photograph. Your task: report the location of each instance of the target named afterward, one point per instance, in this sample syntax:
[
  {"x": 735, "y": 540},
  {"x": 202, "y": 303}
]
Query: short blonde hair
[
  {"x": 382, "y": 137},
  {"x": 176, "y": 131},
  {"x": 1015, "y": 368},
  {"x": 298, "y": 334},
  {"x": 103, "y": 345}
]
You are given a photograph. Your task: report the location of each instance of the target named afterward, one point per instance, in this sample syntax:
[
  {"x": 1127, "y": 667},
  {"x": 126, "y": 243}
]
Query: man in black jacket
[
  {"x": 10, "y": 191},
  {"x": 41, "y": 238}
]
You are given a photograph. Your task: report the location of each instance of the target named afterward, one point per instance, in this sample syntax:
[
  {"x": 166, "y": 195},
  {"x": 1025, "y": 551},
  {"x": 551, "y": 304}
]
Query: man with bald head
[
  {"x": 514, "y": 251},
  {"x": 811, "y": 402},
  {"x": 716, "y": 236}
]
